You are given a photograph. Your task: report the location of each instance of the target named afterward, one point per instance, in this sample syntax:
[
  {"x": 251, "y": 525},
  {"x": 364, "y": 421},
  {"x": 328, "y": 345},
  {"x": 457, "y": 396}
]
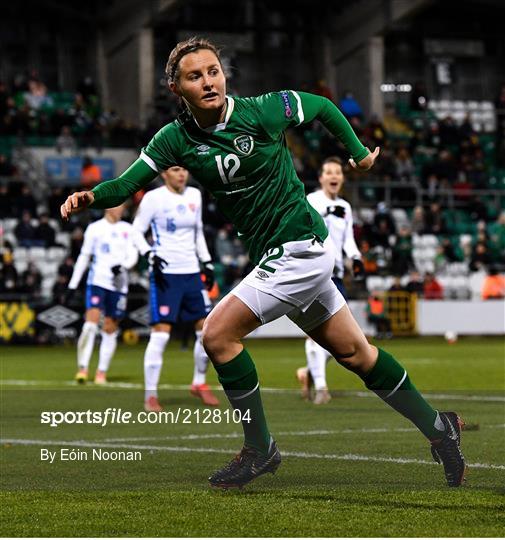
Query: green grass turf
[{"x": 333, "y": 494}]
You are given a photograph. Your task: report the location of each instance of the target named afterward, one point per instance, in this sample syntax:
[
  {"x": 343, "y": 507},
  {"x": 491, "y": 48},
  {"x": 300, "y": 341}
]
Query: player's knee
[
  {"x": 215, "y": 340},
  {"x": 356, "y": 356},
  {"x": 109, "y": 326}
]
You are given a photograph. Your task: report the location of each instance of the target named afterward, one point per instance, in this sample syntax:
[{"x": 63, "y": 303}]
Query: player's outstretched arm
[{"x": 329, "y": 114}]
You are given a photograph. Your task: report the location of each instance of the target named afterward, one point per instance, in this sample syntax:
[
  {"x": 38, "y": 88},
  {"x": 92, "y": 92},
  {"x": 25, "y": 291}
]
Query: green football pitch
[{"x": 352, "y": 467}]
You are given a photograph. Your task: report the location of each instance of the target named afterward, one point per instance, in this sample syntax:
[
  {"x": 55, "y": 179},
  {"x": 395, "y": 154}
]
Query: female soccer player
[
  {"x": 108, "y": 244},
  {"x": 174, "y": 214},
  {"x": 237, "y": 150}
]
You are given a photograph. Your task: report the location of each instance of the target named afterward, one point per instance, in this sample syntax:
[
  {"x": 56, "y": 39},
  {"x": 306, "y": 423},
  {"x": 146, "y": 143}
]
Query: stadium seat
[
  {"x": 20, "y": 254},
  {"x": 375, "y": 283},
  {"x": 37, "y": 254},
  {"x": 417, "y": 240},
  {"x": 475, "y": 281},
  {"x": 429, "y": 240},
  {"x": 400, "y": 217},
  {"x": 63, "y": 238},
  {"x": 56, "y": 254},
  {"x": 366, "y": 214},
  {"x": 9, "y": 224}
]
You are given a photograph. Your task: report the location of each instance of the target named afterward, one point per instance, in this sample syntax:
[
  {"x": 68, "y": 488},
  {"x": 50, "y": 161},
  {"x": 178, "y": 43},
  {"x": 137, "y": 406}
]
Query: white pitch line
[
  {"x": 264, "y": 389},
  {"x": 237, "y": 435},
  {"x": 182, "y": 449}
]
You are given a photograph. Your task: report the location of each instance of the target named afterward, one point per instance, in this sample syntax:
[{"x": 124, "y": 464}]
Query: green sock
[
  {"x": 389, "y": 380},
  {"x": 240, "y": 382}
]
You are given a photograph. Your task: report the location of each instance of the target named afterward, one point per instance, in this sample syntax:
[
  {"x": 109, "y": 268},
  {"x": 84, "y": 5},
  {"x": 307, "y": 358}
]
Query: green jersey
[{"x": 246, "y": 165}]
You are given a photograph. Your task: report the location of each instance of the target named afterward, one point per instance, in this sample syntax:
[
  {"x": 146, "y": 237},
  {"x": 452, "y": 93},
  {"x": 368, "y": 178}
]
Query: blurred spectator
[
  {"x": 444, "y": 167},
  {"x": 8, "y": 273},
  {"x": 376, "y": 309},
  {"x": 87, "y": 89},
  {"x": 322, "y": 89},
  {"x": 369, "y": 257},
  {"x": 60, "y": 290},
  {"x": 432, "y": 288},
  {"x": 402, "y": 260},
  {"x": 383, "y": 225},
  {"x": 26, "y": 201},
  {"x": 66, "y": 268},
  {"x": 497, "y": 234},
  {"x": 350, "y": 107},
  {"x": 44, "y": 232},
  {"x": 397, "y": 286},
  {"x": 493, "y": 286},
  {"x": 31, "y": 281},
  {"x": 448, "y": 250},
  {"x": 449, "y": 133},
  {"x": 419, "y": 97},
  {"x": 415, "y": 284},
  {"x": 440, "y": 260},
  {"x": 418, "y": 225},
  {"x": 6, "y": 167},
  {"x": 90, "y": 173},
  {"x": 55, "y": 200},
  {"x": 434, "y": 219},
  {"x": 6, "y": 209},
  {"x": 76, "y": 240},
  {"x": 65, "y": 141},
  {"x": 25, "y": 232},
  {"x": 404, "y": 165},
  {"x": 37, "y": 97},
  {"x": 481, "y": 257}
]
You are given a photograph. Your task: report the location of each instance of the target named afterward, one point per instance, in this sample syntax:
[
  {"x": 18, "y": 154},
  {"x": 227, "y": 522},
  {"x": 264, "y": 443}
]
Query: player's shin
[
  {"x": 390, "y": 381},
  {"x": 85, "y": 344},
  {"x": 107, "y": 350},
  {"x": 240, "y": 382},
  {"x": 201, "y": 360},
  {"x": 153, "y": 360}
]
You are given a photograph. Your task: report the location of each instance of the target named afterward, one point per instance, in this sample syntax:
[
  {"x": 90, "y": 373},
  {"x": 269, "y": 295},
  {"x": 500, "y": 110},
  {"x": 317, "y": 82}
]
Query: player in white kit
[
  {"x": 109, "y": 246},
  {"x": 337, "y": 215},
  {"x": 173, "y": 212}
]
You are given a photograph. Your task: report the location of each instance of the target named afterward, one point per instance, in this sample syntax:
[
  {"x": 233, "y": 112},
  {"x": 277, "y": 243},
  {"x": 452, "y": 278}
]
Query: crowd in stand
[{"x": 444, "y": 159}]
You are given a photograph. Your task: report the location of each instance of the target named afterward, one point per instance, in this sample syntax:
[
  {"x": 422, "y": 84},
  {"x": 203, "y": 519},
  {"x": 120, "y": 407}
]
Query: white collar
[{"x": 230, "y": 104}]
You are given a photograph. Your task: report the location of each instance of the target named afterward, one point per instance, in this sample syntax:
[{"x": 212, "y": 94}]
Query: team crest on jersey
[
  {"x": 244, "y": 144},
  {"x": 164, "y": 310},
  {"x": 192, "y": 207}
]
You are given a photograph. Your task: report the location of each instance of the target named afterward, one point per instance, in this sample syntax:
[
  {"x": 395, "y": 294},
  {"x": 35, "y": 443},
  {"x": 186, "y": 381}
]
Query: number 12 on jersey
[{"x": 228, "y": 167}]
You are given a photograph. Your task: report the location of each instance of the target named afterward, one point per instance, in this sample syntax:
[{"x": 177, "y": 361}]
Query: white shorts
[{"x": 293, "y": 280}]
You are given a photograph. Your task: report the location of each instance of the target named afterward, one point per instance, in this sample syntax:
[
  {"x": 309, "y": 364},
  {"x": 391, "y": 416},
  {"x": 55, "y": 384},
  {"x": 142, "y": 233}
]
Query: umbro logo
[{"x": 203, "y": 149}]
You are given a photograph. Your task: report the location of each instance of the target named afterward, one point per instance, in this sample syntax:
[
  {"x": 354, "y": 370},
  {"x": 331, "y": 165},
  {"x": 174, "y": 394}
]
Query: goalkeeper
[{"x": 236, "y": 148}]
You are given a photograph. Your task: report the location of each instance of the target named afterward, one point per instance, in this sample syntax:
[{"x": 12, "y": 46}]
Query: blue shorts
[
  {"x": 181, "y": 297},
  {"x": 111, "y": 303},
  {"x": 340, "y": 286}
]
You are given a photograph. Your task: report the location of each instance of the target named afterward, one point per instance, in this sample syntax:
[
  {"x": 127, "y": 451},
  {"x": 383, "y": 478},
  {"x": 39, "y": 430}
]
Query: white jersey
[
  {"x": 340, "y": 226},
  {"x": 106, "y": 244},
  {"x": 176, "y": 226}
]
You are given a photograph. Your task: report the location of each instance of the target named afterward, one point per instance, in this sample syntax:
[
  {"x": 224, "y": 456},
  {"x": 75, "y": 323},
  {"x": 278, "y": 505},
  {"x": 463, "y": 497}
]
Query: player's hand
[
  {"x": 367, "y": 162},
  {"x": 117, "y": 269},
  {"x": 76, "y": 203},
  {"x": 208, "y": 273},
  {"x": 157, "y": 264},
  {"x": 358, "y": 270}
]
